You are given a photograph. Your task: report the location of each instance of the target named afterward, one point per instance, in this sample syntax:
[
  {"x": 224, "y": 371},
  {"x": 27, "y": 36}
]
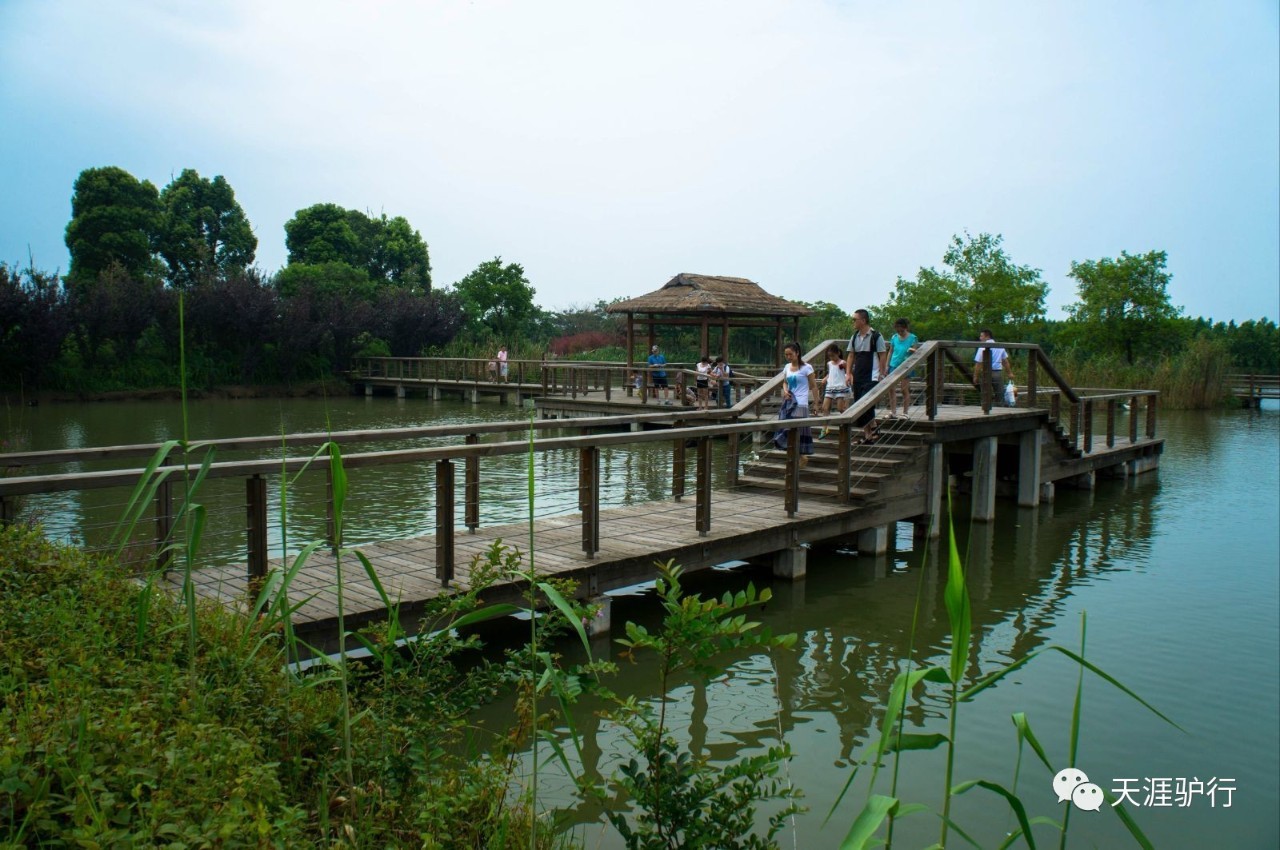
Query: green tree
[
  {"x": 115, "y": 220},
  {"x": 204, "y": 231},
  {"x": 387, "y": 249},
  {"x": 323, "y": 233},
  {"x": 498, "y": 298},
  {"x": 1124, "y": 304},
  {"x": 982, "y": 288}
]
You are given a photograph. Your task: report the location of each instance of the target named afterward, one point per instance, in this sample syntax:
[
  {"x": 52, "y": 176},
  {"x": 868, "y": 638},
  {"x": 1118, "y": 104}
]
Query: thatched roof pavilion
[{"x": 708, "y": 301}]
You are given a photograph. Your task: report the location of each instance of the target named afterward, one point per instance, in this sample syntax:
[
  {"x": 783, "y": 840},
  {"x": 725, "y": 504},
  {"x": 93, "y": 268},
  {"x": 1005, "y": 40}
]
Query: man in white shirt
[{"x": 1001, "y": 371}]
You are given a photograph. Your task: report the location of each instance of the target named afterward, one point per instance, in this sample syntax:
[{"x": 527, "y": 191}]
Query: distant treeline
[{"x": 356, "y": 283}]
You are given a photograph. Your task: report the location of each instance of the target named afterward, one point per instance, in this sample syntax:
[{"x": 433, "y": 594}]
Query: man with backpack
[{"x": 870, "y": 356}]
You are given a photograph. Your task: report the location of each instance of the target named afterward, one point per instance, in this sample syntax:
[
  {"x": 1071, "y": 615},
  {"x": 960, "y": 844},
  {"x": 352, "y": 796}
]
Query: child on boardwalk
[{"x": 835, "y": 385}]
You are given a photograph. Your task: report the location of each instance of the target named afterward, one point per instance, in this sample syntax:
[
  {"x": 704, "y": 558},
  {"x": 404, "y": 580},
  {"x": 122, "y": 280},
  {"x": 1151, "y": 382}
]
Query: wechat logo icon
[{"x": 1072, "y": 784}]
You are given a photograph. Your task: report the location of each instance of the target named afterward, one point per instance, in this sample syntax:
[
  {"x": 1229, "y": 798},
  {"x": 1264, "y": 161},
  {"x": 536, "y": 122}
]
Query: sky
[{"x": 822, "y": 149}]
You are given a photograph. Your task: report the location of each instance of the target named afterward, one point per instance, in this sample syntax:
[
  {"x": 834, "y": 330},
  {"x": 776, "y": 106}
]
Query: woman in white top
[
  {"x": 704, "y": 383},
  {"x": 798, "y": 387}
]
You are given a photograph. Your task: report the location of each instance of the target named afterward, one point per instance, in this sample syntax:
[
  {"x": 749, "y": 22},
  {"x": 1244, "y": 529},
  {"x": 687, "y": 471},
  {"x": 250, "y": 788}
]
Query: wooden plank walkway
[{"x": 631, "y": 538}]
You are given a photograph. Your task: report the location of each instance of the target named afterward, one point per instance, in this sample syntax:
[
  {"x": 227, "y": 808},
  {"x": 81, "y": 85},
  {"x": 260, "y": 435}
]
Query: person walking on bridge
[
  {"x": 1001, "y": 371},
  {"x": 658, "y": 377},
  {"x": 869, "y": 353}
]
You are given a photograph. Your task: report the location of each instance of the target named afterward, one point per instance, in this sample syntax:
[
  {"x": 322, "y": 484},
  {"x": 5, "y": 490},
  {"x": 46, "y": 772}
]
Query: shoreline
[{"x": 309, "y": 389}]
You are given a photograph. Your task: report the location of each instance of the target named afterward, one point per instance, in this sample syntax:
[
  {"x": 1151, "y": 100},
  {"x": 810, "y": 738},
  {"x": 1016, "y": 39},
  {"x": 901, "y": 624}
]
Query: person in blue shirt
[
  {"x": 901, "y": 346},
  {"x": 658, "y": 377}
]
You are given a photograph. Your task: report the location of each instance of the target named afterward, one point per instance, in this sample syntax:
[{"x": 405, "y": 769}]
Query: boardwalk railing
[
  {"x": 939, "y": 379},
  {"x": 1252, "y": 387}
]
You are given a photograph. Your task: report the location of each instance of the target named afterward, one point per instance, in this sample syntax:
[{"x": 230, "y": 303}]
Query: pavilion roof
[{"x": 700, "y": 294}]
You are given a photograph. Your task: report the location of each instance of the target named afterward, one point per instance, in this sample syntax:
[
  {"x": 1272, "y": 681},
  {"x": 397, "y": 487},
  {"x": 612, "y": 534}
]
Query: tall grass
[{"x": 1193, "y": 379}]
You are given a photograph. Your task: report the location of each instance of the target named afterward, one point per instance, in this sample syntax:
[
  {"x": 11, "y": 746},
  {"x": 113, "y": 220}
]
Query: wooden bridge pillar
[
  {"x": 1029, "y": 443},
  {"x": 399, "y": 390},
  {"x": 368, "y": 389},
  {"x": 873, "y": 541},
  {"x": 602, "y": 621},
  {"x": 937, "y": 480},
  {"x": 984, "y": 478},
  {"x": 790, "y": 563}
]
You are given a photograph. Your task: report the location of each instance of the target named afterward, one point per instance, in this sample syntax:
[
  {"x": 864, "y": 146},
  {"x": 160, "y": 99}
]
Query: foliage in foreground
[{"x": 112, "y": 734}]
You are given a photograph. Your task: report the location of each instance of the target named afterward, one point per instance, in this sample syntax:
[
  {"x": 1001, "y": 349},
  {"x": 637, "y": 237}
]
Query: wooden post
[
  {"x": 1133, "y": 419},
  {"x": 471, "y": 487},
  {"x": 589, "y": 498},
  {"x": 984, "y": 381},
  {"x": 1111, "y": 423},
  {"x": 677, "y": 465},
  {"x": 631, "y": 344},
  {"x": 702, "y": 506},
  {"x": 778, "y": 349},
  {"x": 608, "y": 385},
  {"x": 1088, "y": 425},
  {"x": 704, "y": 338},
  {"x": 791, "y": 489},
  {"x": 1055, "y": 408},
  {"x": 985, "y": 454},
  {"x": 164, "y": 524},
  {"x": 256, "y": 500},
  {"x": 1077, "y": 411},
  {"x": 731, "y": 458},
  {"x": 1151, "y": 416},
  {"x": 330, "y": 521},
  {"x": 1033, "y": 389},
  {"x": 444, "y": 521},
  {"x": 844, "y": 465},
  {"x": 933, "y": 383}
]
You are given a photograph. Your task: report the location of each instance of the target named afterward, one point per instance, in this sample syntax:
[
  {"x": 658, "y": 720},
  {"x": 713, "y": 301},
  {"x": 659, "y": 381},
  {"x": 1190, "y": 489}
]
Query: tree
[
  {"x": 115, "y": 220},
  {"x": 983, "y": 288},
  {"x": 389, "y": 250},
  {"x": 322, "y": 233},
  {"x": 498, "y": 298},
  {"x": 203, "y": 230},
  {"x": 34, "y": 322},
  {"x": 1124, "y": 304}
]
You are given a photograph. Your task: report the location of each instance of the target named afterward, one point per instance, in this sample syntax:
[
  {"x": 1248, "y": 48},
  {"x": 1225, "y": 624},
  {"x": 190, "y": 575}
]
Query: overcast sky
[{"x": 819, "y": 148}]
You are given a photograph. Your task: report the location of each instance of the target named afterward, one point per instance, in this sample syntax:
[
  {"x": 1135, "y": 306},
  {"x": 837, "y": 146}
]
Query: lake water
[{"x": 1177, "y": 571}]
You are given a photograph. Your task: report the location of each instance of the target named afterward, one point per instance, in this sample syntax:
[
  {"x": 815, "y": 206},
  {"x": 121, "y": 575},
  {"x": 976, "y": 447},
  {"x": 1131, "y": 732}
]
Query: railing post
[
  {"x": 164, "y": 524},
  {"x": 677, "y": 465},
  {"x": 791, "y": 485},
  {"x": 256, "y": 501},
  {"x": 933, "y": 384},
  {"x": 731, "y": 459},
  {"x": 1151, "y": 416},
  {"x": 589, "y": 498},
  {"x": 330, "y": 523},
  {"x": 1133, "y": 419},
  {"x": 1077, "y": 413},
  {"x": 984, "y": 381},
  {"x": 1033, "y": 388},
  {"x": 608, "y": 385},
  {"x": 444, "y": 521},
  {"x": 1088, "y": 425},
  {"x": 702, "y": 506},
  {"x": 1055, "y": 407},
  {"x": 844, "y": 465},
  {"x": 471, "y": 487},
  {"x": 8, "y": 510},
  {"x": 1111, "y": 423}
]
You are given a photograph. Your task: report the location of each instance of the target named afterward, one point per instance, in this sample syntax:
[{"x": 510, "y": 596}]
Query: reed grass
[{"x": 1193, "y": 379}]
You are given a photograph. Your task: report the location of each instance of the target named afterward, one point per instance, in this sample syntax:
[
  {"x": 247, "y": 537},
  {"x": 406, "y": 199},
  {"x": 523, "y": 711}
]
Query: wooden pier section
[{"x": 766, "y": 505}]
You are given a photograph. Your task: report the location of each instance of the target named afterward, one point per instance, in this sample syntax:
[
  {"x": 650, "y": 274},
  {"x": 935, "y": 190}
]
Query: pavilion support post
[
  {"x": 704, "y": 337},
  {"x": 724, "y": 340},
  {"x": 777, "y": 354},
  {"x": 795, "y": 329},
  {"x": 631, "y": 344}
]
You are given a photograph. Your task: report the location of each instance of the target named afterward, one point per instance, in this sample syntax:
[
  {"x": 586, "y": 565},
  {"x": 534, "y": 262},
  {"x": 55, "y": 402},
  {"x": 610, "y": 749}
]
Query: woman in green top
[{"x": 901, "y": 345}]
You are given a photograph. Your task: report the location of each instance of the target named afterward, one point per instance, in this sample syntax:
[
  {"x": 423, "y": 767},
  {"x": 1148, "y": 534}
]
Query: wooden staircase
[{"x": 899, "y": 445}]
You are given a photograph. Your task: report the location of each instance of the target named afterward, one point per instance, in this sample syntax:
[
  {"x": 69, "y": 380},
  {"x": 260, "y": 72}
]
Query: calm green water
[{"x": 1178, "y": 572}]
